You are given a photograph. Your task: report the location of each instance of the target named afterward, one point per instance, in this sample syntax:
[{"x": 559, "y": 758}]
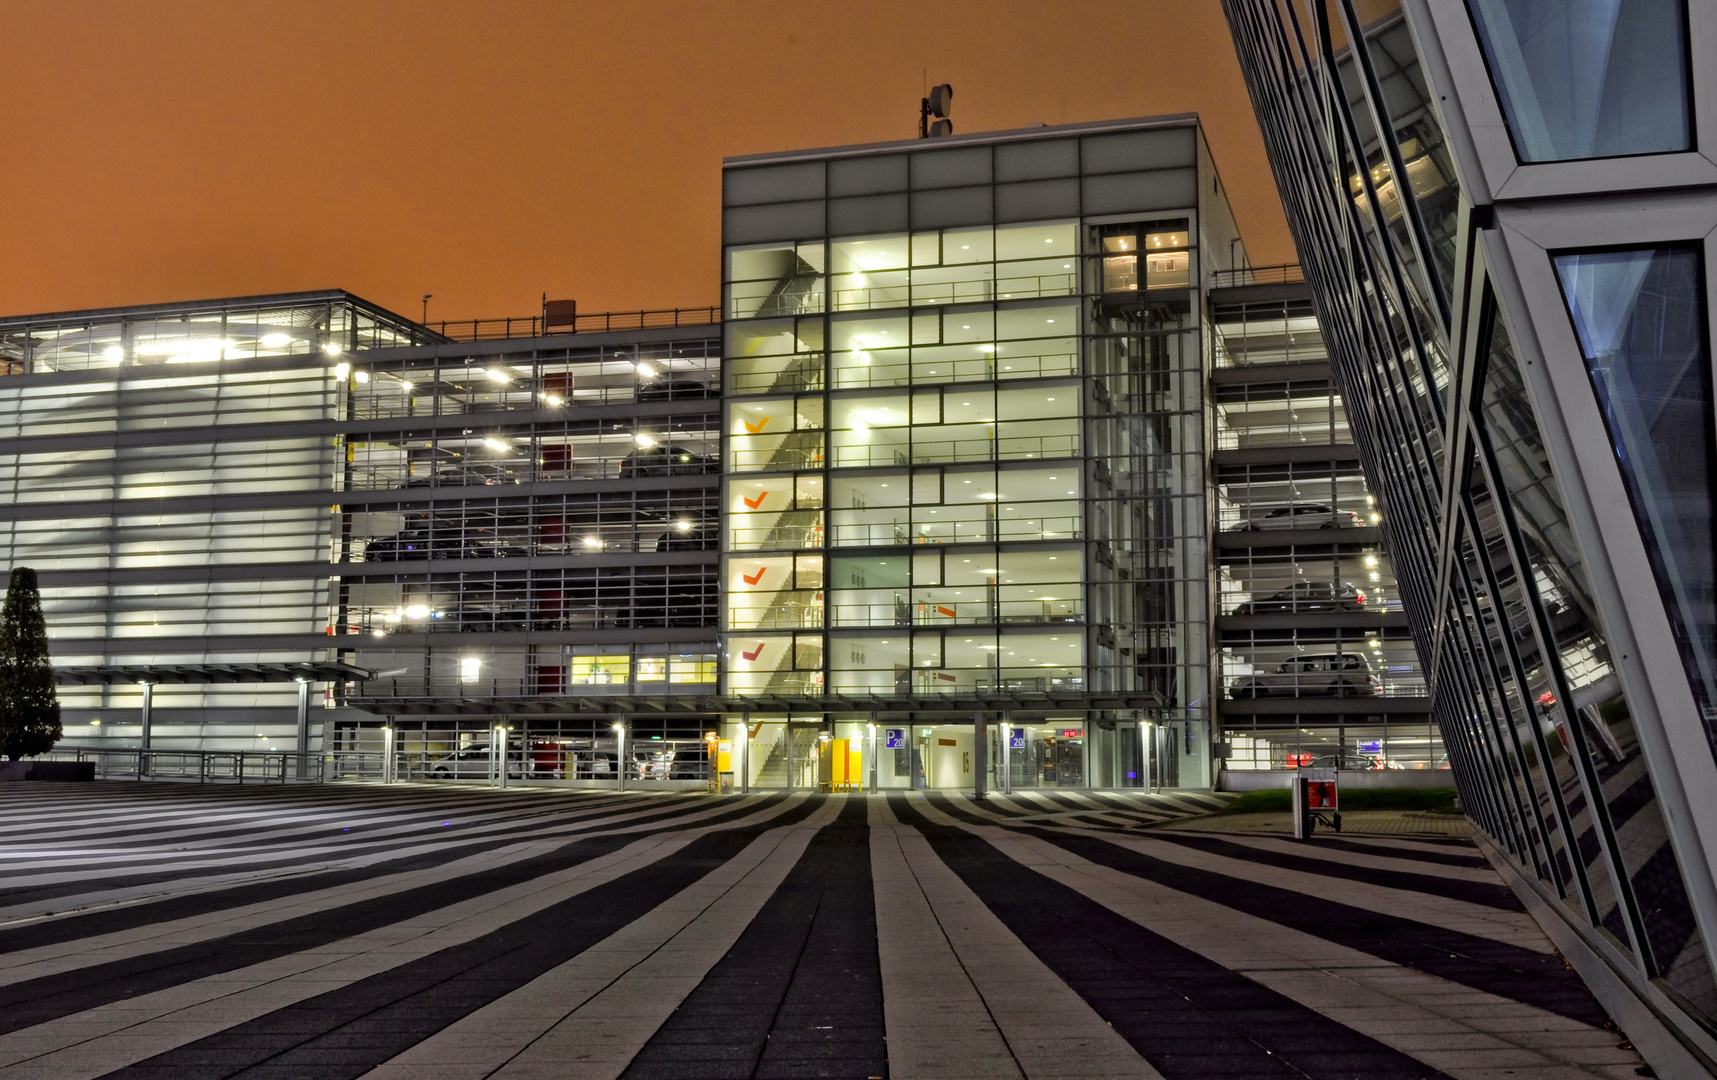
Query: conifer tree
[{"x": 29, "y": 708}]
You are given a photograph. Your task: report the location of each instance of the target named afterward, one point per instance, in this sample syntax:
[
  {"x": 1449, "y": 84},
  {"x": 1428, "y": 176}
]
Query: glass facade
[
  {"x": 1590, "y": 79},
  {"x": 965, "y": 456},
  {"x": 1554, "y": 366}
]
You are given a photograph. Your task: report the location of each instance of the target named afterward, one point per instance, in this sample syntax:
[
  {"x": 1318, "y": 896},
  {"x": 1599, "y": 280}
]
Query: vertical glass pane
[
  {"x": 1640, "y": 317},
  {"x": 1589, "y": 78}
]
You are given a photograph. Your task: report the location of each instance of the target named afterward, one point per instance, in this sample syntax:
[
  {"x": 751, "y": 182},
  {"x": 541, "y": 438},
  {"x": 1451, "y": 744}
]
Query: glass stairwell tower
[{"x": 964, "y": 460}]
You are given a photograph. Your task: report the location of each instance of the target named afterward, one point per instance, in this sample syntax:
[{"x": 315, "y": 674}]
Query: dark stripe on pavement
[
  {"x": 1190, "y": 1017},
  {"x": 1474, "y": 861},
  {"x": 346, "y": 1032},
  {"x": 800, "y": 992},
  {"x": 1509, "y": 971},
  {"x": 36, "y": 1001},
  {"x": 290, "y": 862},
  {"x": 1492, "y": 895}
]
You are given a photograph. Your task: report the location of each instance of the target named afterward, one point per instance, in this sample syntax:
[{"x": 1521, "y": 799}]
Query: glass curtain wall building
[
  {"x": 1505, "y": 215},
  {"x": 483, "y": 526},
  {"x": 964, "y": 459}
]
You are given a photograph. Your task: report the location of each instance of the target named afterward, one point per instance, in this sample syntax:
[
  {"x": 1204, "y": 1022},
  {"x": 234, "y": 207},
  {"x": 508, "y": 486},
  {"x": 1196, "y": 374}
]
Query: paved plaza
[{"x": 419, "y": 933}]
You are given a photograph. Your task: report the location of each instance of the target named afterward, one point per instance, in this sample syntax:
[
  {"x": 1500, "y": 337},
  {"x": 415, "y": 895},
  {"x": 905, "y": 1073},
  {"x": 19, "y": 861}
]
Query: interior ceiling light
[
  {"x": 497, "y": 376},
  {"x": 276, "y": 340}
]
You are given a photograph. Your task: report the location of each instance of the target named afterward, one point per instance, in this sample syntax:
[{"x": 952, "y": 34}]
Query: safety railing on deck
[
  {"x": 221, "y": 766},
  {"x": 595, "y": 323},
  {"x": 1257, "y": 275}
]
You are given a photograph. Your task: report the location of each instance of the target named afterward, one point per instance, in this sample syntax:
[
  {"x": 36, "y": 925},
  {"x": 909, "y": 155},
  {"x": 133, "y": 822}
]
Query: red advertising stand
[{"x": 1316, "y": 799}]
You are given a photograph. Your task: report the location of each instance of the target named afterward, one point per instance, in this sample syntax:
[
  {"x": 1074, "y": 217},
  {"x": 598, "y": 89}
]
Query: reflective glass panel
[
  {"x": 1589, "y": 78},
  {"x": 1640, "y": 317}
]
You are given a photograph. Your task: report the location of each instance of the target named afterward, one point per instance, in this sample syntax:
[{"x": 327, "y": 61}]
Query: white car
[
  {"x": 1304, "y": 517},
  {"x": 1314, "y": 675},
  {"x": 471, "y": 763}
]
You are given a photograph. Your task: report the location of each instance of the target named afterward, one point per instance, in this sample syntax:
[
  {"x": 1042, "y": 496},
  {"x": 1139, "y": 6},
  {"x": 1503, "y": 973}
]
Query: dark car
[
  {"x": 689, "y": 531},
  {"x": 1304, "y": 517},
  {"x": 1307, "y": 596},
  {"x": 1345, "y": 762},
  {"x": 668, "y": 460},
  {"x": 675, "y": 390},
  {"x": 689, "y": 763}
]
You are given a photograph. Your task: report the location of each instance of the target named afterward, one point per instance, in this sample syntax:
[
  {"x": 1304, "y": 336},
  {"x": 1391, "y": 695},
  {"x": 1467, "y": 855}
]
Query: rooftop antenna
[
  {"x": 938, "y": 104},
  {"x": 427, "y": 297}
]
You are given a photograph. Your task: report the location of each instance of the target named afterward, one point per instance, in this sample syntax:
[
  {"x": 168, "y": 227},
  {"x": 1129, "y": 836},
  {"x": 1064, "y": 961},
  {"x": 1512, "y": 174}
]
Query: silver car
[{"x": 1314, "y": 675}]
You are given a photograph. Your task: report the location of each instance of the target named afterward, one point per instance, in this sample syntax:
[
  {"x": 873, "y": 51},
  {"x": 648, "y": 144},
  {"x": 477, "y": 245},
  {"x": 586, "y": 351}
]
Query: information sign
[
  {"x": 893, "y": 738},
  {"x": 1016, "y": 738}
]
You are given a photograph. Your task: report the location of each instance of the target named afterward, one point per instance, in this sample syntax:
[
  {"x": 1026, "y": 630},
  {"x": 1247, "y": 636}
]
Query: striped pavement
[{"x": 422, "y": 933}]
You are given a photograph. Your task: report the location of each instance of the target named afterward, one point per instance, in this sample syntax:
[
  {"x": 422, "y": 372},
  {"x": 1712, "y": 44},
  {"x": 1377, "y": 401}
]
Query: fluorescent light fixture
[
  {"x": 645, "y": 441},
  {"x": 683, "y": 526},
  {"x": 417, "y": 611},
  {"x": 363, "y": 376},
  {"x": 496, "y": 444},
  {"x": 332, "y": 349},
  {"x": 469, "y": 667},
  {"x": 342, "y": 370},
  {"x": 497, "y": 376},
  {"x": 276, "y": 340}
]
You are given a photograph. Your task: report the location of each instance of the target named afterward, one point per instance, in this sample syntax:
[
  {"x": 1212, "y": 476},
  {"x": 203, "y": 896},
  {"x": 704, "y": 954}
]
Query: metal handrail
[
  {"x": 1285, "y": 274},
  {"x": 595, "y": 323}
]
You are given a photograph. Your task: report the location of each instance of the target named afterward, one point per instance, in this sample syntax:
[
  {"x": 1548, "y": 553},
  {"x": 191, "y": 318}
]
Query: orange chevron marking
[
  {"x": 757, "y": 427},
  {"x": 755, "y": 503},
  {"x": 752, "y": 579}
]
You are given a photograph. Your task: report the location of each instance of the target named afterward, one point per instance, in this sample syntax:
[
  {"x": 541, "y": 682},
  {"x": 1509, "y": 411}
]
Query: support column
[
  {"x": 498, "y": 754},
  {"x": 980, "y": 753},
  {"x": 303, "y": 727},
  {"x": 1005, "y": 783},
  {"x": 148, "y": 718},
  {"x": 387, "y": 753},
  {"x": 745, "y": 753},
  {"x": 1145, "y": 754},
  {"x": 871, "y": 757},
  {"x": 620, "y": 757}
]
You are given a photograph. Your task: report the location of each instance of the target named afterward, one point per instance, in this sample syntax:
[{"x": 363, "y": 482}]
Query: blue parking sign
[
  {"x": 1016, "y": 739},
  {"x": 893, "y": 738}
]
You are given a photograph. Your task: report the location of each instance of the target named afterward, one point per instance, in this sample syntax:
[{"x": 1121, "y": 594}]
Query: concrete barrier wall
[{"x": 1266, "y": 779}]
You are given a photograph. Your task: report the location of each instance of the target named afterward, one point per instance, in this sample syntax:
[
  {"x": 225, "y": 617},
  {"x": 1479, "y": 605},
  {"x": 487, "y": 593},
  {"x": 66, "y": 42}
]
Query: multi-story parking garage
[
  {"x": 247, "y": 512},
  {"x": 1318, "y": 667}
]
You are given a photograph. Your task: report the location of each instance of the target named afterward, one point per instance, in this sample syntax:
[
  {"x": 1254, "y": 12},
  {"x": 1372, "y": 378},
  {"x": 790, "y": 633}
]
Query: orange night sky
[{"x": 488, "y": 152}]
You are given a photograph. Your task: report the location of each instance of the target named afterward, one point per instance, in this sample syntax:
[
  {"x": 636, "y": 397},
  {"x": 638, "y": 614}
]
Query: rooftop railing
[
  {"x": 596, "y": 323},
  {"x": 1257, "y": 275}
]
